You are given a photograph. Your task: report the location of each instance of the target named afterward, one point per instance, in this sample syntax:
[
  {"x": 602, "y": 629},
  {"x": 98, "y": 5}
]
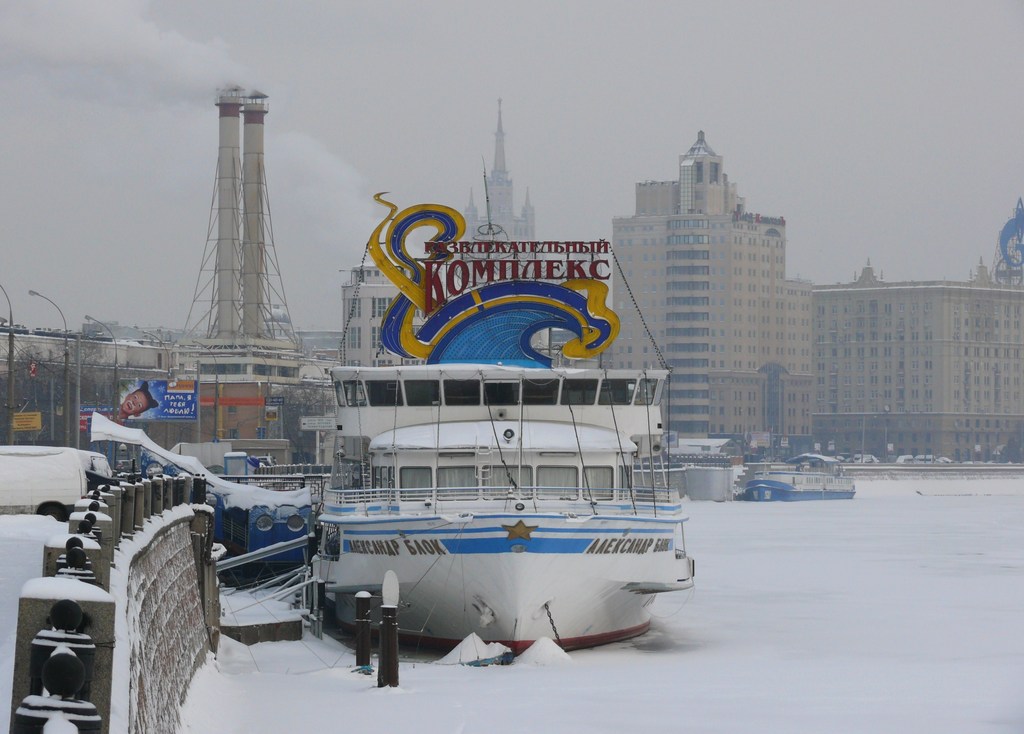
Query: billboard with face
[{"x": 157, "y": 400}]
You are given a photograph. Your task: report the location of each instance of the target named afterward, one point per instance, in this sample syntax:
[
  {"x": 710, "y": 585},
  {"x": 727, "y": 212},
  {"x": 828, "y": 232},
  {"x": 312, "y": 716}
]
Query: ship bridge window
[
  {"x": 617, "y": 391},
  {"x": 351, "y": 393},
  {"x": 599, "y": 477},
  {"x": 384, "y": 392},
  {"x": 540, "y": 392},
  {"x": 501, "y": 393},
  {"x": 422, "y": 392},
  {"x": 462, "y": 392},
  {"x": 647, "y": 392},
  {"x": 558, "y": 476},
  {"x": 456, "y": 476},
  {"x": 501, "y": 476},
  {"x": 599, "y": 480},
  {"x": 579, "y": 392},
  {"x": 414, "y": 477}
]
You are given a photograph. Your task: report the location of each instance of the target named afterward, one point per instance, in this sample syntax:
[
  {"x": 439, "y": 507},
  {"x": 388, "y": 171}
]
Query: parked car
[
  {"x": 865, "y": 459},
  {"x": 47, "y": 480}
]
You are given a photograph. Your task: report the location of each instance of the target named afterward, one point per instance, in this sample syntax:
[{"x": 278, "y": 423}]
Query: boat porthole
[{"x": 520, "y": 506}]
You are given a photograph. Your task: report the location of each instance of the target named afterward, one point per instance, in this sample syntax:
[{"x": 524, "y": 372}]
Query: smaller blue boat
[{"x": 812, "y": 477}]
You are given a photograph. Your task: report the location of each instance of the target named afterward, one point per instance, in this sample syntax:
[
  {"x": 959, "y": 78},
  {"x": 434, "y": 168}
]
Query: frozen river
[{"x": 892, "y": 612}]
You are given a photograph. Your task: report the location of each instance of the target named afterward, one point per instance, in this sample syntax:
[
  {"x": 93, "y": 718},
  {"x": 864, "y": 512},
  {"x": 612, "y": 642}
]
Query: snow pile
[
  {"x": 544, "y": 651},
  {"x": 474, "y": 651}
]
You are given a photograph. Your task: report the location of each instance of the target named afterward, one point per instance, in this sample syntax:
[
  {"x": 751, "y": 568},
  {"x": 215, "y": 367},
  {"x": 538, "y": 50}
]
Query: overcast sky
[{"x": 883, "y": 130}]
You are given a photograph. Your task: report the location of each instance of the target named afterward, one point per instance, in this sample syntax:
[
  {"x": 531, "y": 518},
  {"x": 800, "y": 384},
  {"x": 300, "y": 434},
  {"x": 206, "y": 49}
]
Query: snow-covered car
[{"x": 47, "y": 480}]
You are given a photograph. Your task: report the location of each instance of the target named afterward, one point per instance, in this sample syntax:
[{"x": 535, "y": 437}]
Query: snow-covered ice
[{"x": 891, "y": 612}]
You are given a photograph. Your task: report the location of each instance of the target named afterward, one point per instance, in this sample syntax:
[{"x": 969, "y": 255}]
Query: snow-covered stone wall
[{"x": 165, "y": 637}]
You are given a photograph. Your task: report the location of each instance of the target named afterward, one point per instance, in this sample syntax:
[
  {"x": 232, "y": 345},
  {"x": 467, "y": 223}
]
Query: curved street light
[
  {"x": 10, "y": 367},
  {"x": 67, "y": 373},
  {"x": 114, "y": 397}
]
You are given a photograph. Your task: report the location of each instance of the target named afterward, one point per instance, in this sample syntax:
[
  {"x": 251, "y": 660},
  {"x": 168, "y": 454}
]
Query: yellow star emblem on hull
[{"x": 520, "y": 530}]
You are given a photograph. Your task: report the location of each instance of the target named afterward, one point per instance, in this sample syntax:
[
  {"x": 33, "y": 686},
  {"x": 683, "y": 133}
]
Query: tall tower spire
[
  {"x": 499, "y": 147},
  {"x": 498, "y": 187}
]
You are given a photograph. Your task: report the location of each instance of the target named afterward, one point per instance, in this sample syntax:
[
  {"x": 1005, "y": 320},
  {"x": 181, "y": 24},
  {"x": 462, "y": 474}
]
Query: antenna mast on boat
[{"x": 490, "y": 231}]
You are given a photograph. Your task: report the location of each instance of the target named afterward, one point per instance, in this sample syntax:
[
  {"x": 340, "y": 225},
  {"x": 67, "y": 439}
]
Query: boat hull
[
  {"x": 776, "y": 490},
  {"x": 511, "y": 578}
]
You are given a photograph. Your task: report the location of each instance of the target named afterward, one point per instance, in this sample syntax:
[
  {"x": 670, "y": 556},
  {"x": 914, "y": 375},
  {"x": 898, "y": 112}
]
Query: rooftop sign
[{"x": 483, "y": 301}]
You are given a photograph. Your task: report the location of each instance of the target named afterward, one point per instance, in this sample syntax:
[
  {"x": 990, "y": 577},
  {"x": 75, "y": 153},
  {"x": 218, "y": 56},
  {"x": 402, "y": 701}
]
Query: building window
[
  {"x": 379, "y": 307},
  {"x": 355, "y": 337}
]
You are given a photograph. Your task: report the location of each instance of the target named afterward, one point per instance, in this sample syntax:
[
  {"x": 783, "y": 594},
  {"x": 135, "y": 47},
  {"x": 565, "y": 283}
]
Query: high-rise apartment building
[
  {"x": 929, "y": 367},
  {"x": 707, "y": 294}
]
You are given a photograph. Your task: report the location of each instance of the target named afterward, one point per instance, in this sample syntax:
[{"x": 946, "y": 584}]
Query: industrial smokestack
[
  {"x": 228, "y": 198},
  {"x": 253, "y": 235}
]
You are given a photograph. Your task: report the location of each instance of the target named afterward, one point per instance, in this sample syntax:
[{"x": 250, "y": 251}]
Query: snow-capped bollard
[
  {"x": 112, "y": 496},
  {"x": 387, "y": 661},
  {"x": 198, "y": 491},
  {"x": 140, "y": 506},
  {"x": 65, "y": 621},
  {"x": 38, "y": 597},
  {"x": 63, "y": 675},
  {"x": 82, "y": 526},
  {"x": 180, "y": 491},
  {"x": 75, "y": 541},
  {"x": 127, "y": 510},
  {"x": 147, "y": 498},
  {"x": 363, "y": 630},
  {"x": 156, "y": 488},
  {"x": 168, "y": 492},
  {"x": 78, "y": 566}
]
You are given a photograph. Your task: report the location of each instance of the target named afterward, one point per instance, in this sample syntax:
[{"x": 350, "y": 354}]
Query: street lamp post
[
  {"x": 67, "y": 372},
  {"x": 10, "y": 368},
  {"x": 114, "y": 397}
]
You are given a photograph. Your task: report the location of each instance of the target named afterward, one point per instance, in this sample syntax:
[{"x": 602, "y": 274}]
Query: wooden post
[
  {"x": 363, "y": 629},
  {"x": 387, "y": 671}
]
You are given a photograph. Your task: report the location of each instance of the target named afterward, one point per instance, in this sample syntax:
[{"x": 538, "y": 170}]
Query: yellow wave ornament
[
  {"x": 577, "y": 348},
  {"x": 597, "y": 294},
  {"x": 395, "y": 270},
  {"x": 410, "y": 343}
]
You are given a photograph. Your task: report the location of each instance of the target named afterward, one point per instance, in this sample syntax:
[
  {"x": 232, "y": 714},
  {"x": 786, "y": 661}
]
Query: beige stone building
[
  {"x": 709, "y": 278},
  {"x": 919, "y": 367}
]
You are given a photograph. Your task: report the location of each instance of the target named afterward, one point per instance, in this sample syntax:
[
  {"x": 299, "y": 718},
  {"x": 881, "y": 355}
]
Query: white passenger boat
[
  {"x": 500, "y": 491},
  {"x": 807, "y": 477}
]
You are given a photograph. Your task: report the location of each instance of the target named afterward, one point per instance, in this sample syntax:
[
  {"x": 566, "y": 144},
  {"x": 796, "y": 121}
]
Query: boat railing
[{"x": 383, "y": 498}]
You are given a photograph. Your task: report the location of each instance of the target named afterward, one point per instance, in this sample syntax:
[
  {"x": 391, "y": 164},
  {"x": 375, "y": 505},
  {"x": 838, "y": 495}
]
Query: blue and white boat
[
  {"x": 499, "y": 489},
  {"x": 808, "y": 477}
]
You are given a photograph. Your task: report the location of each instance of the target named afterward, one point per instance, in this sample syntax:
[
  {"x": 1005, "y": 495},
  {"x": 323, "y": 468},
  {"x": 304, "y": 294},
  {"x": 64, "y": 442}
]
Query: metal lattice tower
[{"x": 239, "y": 297}]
